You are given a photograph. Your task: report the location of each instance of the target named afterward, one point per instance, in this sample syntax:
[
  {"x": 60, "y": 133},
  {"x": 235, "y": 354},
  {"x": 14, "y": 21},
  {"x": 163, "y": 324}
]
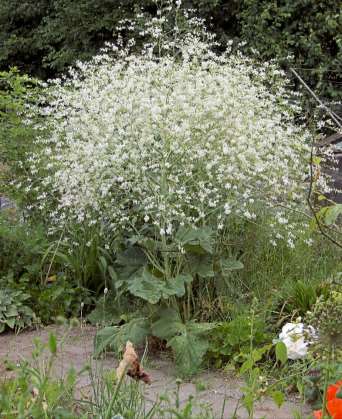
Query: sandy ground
[{"x": 208, "y": 387}]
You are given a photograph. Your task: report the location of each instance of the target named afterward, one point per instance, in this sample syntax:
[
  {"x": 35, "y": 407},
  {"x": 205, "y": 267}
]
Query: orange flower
[
  {"x": 333, "y": 389},
  {"x": 334, "y": 408},
  {"x": 318, "y": 414}
]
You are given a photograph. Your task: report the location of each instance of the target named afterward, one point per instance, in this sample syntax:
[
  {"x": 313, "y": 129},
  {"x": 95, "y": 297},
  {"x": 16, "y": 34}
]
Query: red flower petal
[
  {"x": 333, "y": 389},
  {"x": 318, "y": 414},
  {"x": 334, "y": 408}
]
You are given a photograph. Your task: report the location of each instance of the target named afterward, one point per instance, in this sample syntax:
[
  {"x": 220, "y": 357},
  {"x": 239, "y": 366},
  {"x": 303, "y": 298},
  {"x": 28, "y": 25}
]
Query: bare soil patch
[{"x": 76, "y": 351}]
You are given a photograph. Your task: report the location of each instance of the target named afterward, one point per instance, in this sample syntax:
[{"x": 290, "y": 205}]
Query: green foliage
[
  {"x": 326, "y": 317},
  {"x": 330, "y": 214},
  {"x": 30, "y": 395},
  {"x": 27, "y": 266},
  {"x": 156, "y": 272},
  {"x": 152, "y": 289},
  {"x": 34, "y": 392},
  {"x": 189, "y": 341},
  {"x": 115, "y": 337},
  {"x": 16, "y": 138},
  {"x": 21, "y": 247},
  {"x": 15, "y": 312},
  {"x": 281, "y": 352},
  {"x": 106, "y": 312},
  {"x": 273, "y": 272},
  {"x": 231, "y": 341},
  {"x": 315, "y": 383},
  {"x": 296, "y": 298},
  {"x": 48, "y": 37},
  {"x": 60, "y": 298},
  {"x": 306, "y": 29}
]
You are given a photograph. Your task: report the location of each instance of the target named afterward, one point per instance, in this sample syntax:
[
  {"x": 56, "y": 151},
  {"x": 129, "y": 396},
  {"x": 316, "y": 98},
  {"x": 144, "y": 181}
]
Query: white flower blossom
[
  {"x": 183, "y": 138},
  {"x": 296, "y": 338}
]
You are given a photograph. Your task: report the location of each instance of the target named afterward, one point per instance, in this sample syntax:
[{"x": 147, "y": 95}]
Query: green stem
[{"x": 326, "y": 382}]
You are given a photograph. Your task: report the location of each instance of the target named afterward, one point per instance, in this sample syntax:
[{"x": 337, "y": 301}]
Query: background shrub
[
  {"x": 307, "y": 29},
  {"x": 46, "y": 37}
]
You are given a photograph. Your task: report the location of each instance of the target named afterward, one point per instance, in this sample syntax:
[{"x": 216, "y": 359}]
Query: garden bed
[{"x": 208, "y": 387}]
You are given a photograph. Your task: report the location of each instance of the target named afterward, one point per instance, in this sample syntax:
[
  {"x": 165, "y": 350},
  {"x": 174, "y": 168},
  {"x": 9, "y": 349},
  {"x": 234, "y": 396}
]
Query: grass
[{"x": 35, "y": 391}]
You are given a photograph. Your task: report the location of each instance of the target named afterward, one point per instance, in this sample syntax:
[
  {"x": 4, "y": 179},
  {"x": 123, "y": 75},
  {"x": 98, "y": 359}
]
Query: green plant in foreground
[
  {"x": 34, "y": 392},
  {"x": 257, "y": 385},
  {"x": 15, "y": 312},
  {"x": 230, "y": 341},
  {"x": 326, "y": 318},
  {"x": 170, "y": 283}
]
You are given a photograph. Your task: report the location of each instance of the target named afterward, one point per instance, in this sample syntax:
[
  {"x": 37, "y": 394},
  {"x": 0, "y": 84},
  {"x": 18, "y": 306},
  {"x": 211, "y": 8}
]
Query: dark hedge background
[{"x": 44, "y": 37}]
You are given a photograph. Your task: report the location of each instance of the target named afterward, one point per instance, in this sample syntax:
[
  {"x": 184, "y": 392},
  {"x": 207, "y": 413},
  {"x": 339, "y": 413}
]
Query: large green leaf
[
  {"x": 114, "y": 338},
  {"x": 153, "y": 289},
  {"x": 129, "y": 263},
  {"x": 201, "y": 265},
  {"x": 228, "y": 265},
  {"x": 278, "y": 397},
  {"x": 281, "y": 352},
  {"x": 168, "y": 324},
  {"x": 132, "y": 256},
  {"x": 189, "y": 348},
  {"x": 187, "y": 340},
  {"x": 196, "y": 240}
]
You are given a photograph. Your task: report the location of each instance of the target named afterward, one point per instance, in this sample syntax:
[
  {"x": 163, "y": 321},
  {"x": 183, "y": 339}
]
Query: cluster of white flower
[
  {"x": 297, "y": 338},
  {"x": 170, "y": 140}
]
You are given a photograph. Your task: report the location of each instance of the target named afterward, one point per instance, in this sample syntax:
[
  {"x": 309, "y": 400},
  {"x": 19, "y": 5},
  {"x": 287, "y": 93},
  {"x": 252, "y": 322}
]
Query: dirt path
[{"x": 208, "y": 387}]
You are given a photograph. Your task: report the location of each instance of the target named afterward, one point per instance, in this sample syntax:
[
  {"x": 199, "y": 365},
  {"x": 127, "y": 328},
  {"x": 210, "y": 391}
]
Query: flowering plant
[
  {"x": 333, "y": 402},
  {"x": 188, "y": 137},
  {"x": 164, "y": 151},
  {"x": 296, "y": 336}
]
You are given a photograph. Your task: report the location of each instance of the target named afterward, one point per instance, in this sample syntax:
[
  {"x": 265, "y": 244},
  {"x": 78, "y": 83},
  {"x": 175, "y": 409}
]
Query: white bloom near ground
[
  {"x": 171, "y": 140},
  {"x": 296, "y": 338}
]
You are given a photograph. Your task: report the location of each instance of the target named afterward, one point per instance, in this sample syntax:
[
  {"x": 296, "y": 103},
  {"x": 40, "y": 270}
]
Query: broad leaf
[
  {"x": 332, "y": 213},
  {"x": 190, "y": 346},
  {"x": 253, "y": 358},
  {"x": 247, "y": 365},
  {"x": 198, "y": 240},
  {"x": 153, "y": 289},
  {"x": 147, "y": 287},
  {"x": 114, "y": 338},
  {"x": 202, "y": 265},
  {"x": 10, "y": 322},
  {"x": 133, "y": 256},
  {"x": 189, "y": 351},
  {"x": 281, "y": 352},
  {"x": 168, "y": 324},
  {"x": 228, "y": 265}
]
